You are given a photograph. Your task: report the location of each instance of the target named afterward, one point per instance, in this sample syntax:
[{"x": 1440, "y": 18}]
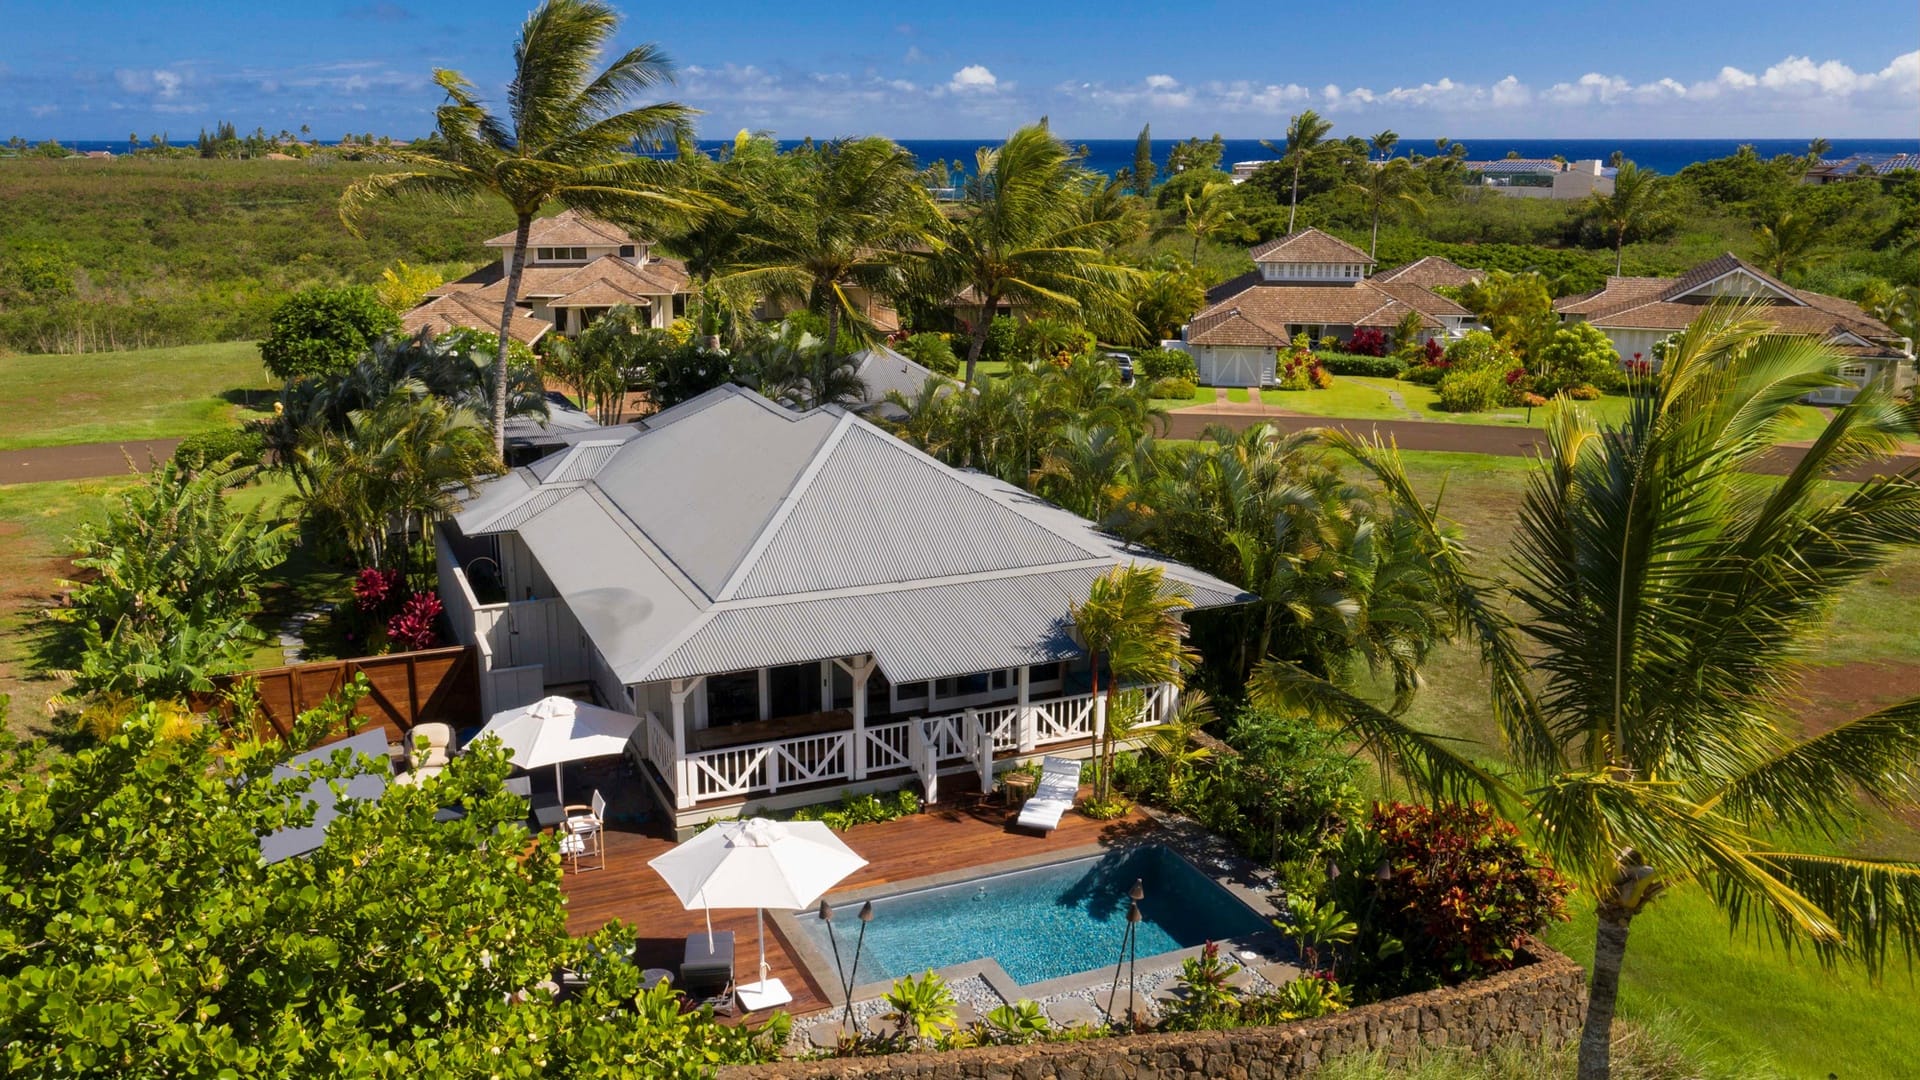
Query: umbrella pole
[
  {"x": 559, "y": 783},
  {"x": 760, "y": 921}
]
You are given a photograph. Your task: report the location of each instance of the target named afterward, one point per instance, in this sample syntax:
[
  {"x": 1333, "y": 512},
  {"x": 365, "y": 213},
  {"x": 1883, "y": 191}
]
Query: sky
[{"x": 1631, "y": 69}]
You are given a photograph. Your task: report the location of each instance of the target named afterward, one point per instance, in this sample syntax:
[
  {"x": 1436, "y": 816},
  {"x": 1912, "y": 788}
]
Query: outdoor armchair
[{"x": 706, "y": 971}]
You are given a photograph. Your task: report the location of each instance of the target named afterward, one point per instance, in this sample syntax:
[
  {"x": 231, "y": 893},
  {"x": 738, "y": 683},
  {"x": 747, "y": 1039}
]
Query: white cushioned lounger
[{"x": 1053, "y": 796}]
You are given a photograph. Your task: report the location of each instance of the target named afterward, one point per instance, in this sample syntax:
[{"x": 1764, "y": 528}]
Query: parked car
[{"x": 1125, "y": 364}]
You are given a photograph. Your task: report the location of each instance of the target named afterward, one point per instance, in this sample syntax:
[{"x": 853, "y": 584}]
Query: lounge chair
[
  {"x": 706, "y": 972},
  {"x": 1053, "y": 796},
  {"x": 429, "y": 748}
]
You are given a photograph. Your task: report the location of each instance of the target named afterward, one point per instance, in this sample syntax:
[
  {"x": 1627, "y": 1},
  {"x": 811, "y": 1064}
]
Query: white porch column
[
  {"x": 1099, "y": 718},
  {"x": 1023, "y": 713},
  {"x": 858, "y": 671},
  {"x": 679, "y": 691}
]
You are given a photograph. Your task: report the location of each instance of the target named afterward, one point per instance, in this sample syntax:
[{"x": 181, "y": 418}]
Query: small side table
[{"x": 1016, "y": 788}]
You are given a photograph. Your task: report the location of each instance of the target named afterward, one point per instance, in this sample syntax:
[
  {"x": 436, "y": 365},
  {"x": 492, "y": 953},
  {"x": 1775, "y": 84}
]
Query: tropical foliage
[
  {"x": 1666, "y": 597},
  {"x": 319, "y": 331},
  {"x": 1130, "y": 624},
  {"x": 142, "y": 934},
  {"x": 171, "y": 579}
]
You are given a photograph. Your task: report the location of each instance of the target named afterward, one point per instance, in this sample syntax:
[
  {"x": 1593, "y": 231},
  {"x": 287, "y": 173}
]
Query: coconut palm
[
  {"x": 747, "y": 180},
  {"x": 1389, "y": 189},
  {"x": 1306, "y": 143},
  {"x": 1021, "y": 234},
  {"x": 801, "y": 372},
  {"x": 1131, "y": 623},
  {"x": 1817, "y": 149},
  {"x": 1207, "y": 213},
  {"x": 567, "y": 137},
  {"x": 1384, "y": 143},
  {"x": 1789, "y": 244},
  {"x": 1670, "y": 597},
  {"x": 843, "y": 235},
  {"x": 1636, "y": 204}
]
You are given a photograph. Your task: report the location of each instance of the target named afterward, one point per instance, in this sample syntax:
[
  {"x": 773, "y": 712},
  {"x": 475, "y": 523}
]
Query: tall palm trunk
[
  {"x": 833, "y": 328},
  {"x": 1373, "y": 249},
  {"x": 1609, "y": 948},
  {"x": 1619, "y": 246},
  {"x": 1293, "y": 202},
  {"x": 979, "y": 342},
  {"x": 708, "y": 315},
  {"x": 1100, "y": 776},
  {"x": 506, "y": 323}
]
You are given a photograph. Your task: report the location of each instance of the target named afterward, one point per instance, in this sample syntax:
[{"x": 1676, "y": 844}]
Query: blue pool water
[{"x": 1042, "y": 923}]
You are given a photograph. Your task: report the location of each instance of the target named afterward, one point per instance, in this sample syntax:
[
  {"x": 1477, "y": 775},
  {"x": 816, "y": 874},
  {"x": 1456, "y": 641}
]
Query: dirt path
[
  {"x": 1450, "y": 438},
  {"x": 85, "y": 461}
]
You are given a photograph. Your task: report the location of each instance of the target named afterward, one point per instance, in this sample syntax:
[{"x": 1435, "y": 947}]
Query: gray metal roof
[
  {"x": 288, "y": 842},
  {"x": 883, "y": 370},
  {"x": 728, "y": 533}
]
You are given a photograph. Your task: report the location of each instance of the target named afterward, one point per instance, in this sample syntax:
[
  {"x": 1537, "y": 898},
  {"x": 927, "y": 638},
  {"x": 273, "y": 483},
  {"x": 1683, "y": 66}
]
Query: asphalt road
[{"x": 86, "y": 461}]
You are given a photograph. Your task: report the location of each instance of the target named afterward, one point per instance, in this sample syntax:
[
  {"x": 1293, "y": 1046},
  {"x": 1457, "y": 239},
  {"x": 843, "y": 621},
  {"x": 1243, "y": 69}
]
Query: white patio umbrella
[
  {"x": 757, "y": 864},
  {"x": 556, "y": 730}
]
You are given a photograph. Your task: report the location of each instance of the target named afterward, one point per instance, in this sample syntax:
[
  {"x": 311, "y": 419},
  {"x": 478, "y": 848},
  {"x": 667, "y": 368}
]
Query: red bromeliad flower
[
  {"x": 415, "y": 626},
  {"x": 373, "y": 587}
]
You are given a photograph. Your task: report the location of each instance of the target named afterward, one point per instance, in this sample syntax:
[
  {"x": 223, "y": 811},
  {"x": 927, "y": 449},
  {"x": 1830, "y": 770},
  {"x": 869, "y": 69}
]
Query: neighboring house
[
  {"x": 1310, "y": 283},
  {"x": 1541, "y": 178},
  {"x": 577, "y": 268},
  {"x": 1432, "y": 272},
  {"x": 467, "y": 310},
  {"x": 877, "y": 313},
  {"x": 798, "y": 604},
  {"x": 1636, "y": 312},
  {"x": 1857, "y": 165},
  {"x": 883, "y": 371}
]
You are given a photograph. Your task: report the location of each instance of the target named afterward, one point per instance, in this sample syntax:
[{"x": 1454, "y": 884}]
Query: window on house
[
  {"x": 913, "y": 691},
  {"x": 964, "y": 685},
  {"x": 733, "y": 699},
  {"x": 589, "y": 316},
  {"x": 794, "y": 690},
  {"x": 560, "y": 254},
  {"x": 1853, "y": 371},
  {"x": 626, "y": 251},
  {"x": 679, "y": 304}
]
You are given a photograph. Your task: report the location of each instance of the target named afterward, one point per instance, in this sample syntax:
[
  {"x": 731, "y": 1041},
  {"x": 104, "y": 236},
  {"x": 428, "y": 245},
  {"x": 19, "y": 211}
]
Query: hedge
[{"x": 1342, "y": 363}]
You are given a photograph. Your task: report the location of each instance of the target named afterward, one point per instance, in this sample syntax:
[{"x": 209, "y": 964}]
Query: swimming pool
[{"x": 1042, "y": 923}]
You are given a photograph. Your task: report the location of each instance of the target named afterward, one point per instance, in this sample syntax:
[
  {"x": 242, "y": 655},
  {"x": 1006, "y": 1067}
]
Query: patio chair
[
  {"x": 706, "y": 971},
  {"x": 582, "y": 835},
  {"x": 429, "y": 746},
  {"x": 1053, "y": 796}
]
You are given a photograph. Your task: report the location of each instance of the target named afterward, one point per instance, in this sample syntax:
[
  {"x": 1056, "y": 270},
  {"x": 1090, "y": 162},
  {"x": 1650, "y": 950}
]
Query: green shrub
[
  {"x": 1426, "y": 374},
  {"x": 1380, "y": 367},
  {"x": 1579, "y": 354},
  {"x": 931, "y": 351},
  {"x": 1474, "y": 389},
  {"x": 860, "y": 810},
  {"x": 1049, "y": 339},
  {"x": 1478, "y": 349},
  {"x": 321, "y": 330},
  {"x": 1175, "y": 389},
  {"x": 1002, "y": 335},
  {"x": 210, "y": 447},
  {"x": 1448, "y": 893},
  {"x": 1156, "y": 364}
]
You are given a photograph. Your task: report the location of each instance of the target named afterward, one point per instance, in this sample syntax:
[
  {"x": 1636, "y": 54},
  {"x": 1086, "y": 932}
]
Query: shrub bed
[{"x": 1345, "y": 363}]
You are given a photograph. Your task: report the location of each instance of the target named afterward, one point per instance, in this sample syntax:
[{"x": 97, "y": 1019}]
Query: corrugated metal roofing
[
  {"x": 915, "y": 634},
  {"x": 936, "y": 571},
  {"x": 879, "y": 512}
]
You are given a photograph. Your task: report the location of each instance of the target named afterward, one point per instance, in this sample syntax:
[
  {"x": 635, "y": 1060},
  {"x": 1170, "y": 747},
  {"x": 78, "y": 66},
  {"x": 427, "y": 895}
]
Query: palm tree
[
  {"x": 1384, "y": 143},
  {"x": 566, "y": 138},
  {"x": 747, "y": 181},
  {"x": 1817, "y": 149},
  {"x": 1132, "y": 624},
  {"x": 1207, "y": 213},
  {"x": 1306, "y": 136},
  {"x": 1789, "y": 244},
  {"x": 1652, "y": 719},
  {"x": 1388, "y": 189},
  {"x": 1636, "y": 204},
  {"x": 857, "y": 218},
  {"x": 1022, "y": 234}
]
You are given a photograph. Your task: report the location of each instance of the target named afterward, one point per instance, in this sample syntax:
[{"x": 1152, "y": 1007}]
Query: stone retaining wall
[{"x": 1541, "y": 1002}]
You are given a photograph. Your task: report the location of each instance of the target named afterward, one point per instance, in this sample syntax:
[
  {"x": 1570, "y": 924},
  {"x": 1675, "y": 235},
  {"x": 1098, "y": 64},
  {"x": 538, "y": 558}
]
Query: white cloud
[
  {"x": 1161, "y": 82},
  {"x": 914, "y": 55},
  {"x": 973, "y": 79},
  {"x": 163, "y": 83}
]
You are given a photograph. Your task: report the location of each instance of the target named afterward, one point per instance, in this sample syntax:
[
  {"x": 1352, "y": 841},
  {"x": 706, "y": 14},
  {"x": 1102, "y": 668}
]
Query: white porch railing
[{"x": 926, "y": 745}]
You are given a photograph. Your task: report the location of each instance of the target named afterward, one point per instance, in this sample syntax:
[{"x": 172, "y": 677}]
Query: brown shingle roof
[
  {"x": 568, "y": 228},
  {"x": 599, "y": 294},
  {"x": 1260, "y": 314},
  {"x": 660, "y": 277},
  {"x": 1309, "y": 246},
  {"x": 1673, "y": 303},
  {"x": 1430, "y": 272},
  {"x": 467, "y": 310}
]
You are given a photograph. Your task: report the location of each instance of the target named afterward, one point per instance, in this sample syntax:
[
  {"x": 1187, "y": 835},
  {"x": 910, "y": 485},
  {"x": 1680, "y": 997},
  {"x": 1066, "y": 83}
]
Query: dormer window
[
  {"x": 560, "y": 254},
  {"x": 626, "y": 251}
]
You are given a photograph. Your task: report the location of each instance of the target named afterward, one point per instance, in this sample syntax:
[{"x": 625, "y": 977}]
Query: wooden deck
[{"x": 964, "y": 830}]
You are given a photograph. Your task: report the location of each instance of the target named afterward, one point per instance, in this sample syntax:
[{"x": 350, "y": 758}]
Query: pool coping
[{"x": 1211, "y": 857}]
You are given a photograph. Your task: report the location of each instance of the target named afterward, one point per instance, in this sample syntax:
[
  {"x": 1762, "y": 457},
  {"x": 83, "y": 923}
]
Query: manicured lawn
[
  {"x": 1744, "y": 995},
  {"x": 59, "y": 400},
  {"x": 1366, "y": 398}
]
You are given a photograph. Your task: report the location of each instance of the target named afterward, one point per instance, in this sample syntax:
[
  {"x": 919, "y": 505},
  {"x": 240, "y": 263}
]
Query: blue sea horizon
[{"x": 1109, "y": 156}]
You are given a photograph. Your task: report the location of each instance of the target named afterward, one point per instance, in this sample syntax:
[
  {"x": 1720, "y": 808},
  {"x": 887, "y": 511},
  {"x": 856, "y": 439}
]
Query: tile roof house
[
  {"x": 1304, "y": 282},
  {"x": 577, "y": 267},
  {"x": 797, "y": 603},
  {"x": 1431, "y": 272},
  {"x": 1636, "y": 312}
]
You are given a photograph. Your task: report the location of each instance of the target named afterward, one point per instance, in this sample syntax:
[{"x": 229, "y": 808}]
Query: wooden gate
[
  {"x": 404, "y": 689},
  {"x": 542, "y": 632}
]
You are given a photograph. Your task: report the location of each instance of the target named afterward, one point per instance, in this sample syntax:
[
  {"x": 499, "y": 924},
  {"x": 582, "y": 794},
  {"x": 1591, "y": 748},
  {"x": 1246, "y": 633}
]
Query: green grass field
[
  {"x": 49, "y": 400},
  {"x": 1360, "y": 397}
]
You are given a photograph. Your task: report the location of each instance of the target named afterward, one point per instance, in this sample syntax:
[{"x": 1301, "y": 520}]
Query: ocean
[{"x": 1666, "y": 156}]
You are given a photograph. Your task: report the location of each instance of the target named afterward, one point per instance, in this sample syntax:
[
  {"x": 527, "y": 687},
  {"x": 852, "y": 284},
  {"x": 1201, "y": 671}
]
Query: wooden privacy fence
[{"x": 404, "y": 689}]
